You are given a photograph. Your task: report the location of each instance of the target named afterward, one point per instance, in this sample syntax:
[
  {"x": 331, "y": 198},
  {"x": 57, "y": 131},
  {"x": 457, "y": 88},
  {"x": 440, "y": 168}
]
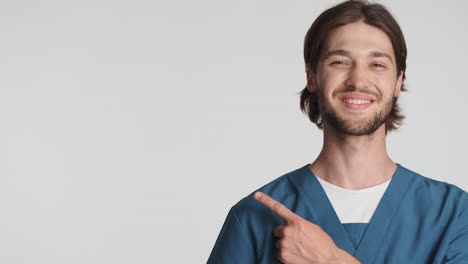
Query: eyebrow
[
  {"x": 376, "y": 54},
  {"x": 373, "y": 54},
  {"x": 336, "y": 52}
]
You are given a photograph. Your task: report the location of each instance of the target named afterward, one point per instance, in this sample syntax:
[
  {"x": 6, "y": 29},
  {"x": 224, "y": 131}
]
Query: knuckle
[
  {"x": 277, "y": 231},
  {"x": 299, "y": 224},
  {"x": 277, "y": 208},
  {"x": 295, "y": 222},
  {"x": 283, "y": 256},
  {"x": 282, "y": 243}
]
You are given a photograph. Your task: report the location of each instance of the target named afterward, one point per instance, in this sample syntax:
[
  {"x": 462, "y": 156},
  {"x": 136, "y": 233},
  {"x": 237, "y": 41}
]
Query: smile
[
  {"x": 357, "y": 101},
  {"x": 354, "y": 104}
]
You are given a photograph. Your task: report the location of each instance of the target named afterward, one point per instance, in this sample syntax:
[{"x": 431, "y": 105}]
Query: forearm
[{"x": 344, "y": 257}]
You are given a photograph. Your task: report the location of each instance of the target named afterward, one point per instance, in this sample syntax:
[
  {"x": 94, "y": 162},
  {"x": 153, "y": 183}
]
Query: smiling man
[{"x": 353, "y": 204}]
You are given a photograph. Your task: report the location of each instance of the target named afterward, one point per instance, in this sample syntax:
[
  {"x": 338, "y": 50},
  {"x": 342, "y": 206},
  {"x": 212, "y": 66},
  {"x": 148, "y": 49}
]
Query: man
[{"x": 353, "y": 204}]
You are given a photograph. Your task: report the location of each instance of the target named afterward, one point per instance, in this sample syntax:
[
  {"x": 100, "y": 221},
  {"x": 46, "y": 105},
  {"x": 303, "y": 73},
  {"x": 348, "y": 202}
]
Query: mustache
[{"x": 350, "y": 89}]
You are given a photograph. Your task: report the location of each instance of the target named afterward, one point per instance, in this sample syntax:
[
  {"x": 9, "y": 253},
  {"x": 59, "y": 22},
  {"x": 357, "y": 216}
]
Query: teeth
[{"x": 356, "y": 101}]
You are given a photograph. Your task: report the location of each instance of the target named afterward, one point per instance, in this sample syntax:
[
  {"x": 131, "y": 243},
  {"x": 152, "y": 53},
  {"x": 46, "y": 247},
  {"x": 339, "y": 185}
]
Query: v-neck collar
[{"x": 326, "y": 217}]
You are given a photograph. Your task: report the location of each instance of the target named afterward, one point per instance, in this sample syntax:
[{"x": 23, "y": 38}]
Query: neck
[{"x": 353, "y": 162}]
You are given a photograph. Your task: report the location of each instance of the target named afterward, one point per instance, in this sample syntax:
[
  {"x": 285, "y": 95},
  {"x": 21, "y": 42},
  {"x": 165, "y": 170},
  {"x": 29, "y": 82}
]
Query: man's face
[{"x": 356, "y": 79}]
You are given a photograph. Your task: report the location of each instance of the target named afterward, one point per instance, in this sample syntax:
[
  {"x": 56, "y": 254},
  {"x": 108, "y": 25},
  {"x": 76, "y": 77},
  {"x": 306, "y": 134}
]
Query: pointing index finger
[{"x": 275, "y": 206}]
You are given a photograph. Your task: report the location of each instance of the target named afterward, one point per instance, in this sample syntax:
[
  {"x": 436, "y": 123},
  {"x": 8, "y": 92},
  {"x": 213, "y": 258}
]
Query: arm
[
  {"x": 233, "y": 244},
  {"x": 345, "y": 258},
  {"x": 300, "y": 241},
  {"x": 457, "y": 252}
]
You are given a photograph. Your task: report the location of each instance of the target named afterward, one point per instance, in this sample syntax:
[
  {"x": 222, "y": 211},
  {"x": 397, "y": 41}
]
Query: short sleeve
[
  {"x": 233, "y": 244},
  {"x": 457, "y": 252}
]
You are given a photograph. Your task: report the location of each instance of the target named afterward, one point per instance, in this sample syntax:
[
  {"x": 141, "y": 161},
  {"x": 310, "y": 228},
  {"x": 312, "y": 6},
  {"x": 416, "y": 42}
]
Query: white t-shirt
[{"x": 354, "y": 206}]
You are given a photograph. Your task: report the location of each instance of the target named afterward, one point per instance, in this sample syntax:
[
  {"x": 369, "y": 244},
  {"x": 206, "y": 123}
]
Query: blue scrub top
[{"x": 418, "y": 220}]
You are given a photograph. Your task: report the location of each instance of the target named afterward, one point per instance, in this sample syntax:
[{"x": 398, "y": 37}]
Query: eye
[
  {"x": 338, "y": 62},
  {"x": 378, "y": 65}
]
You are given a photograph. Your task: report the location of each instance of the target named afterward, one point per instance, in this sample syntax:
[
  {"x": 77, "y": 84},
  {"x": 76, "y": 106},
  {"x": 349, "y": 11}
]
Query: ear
[
  {"x": 399, "y": 84},
  {"x": 311, "y": 84}
]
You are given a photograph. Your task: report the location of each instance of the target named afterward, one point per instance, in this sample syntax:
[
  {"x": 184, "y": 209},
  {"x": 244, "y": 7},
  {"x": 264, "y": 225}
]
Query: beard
[{"x": 365, "y": 127}]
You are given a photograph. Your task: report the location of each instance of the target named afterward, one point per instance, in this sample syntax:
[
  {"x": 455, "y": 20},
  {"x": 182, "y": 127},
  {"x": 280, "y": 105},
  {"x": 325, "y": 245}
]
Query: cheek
[
  {"x": 387, "y": 86},
  {"x": 329, "y": 82}
]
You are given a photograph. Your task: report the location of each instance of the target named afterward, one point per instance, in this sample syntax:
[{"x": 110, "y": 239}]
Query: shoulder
[
  {"x": 436, "y": 192},
  {"x": 281, "y": 188},
  {"x": 255, "y": 219},
  {"x": 285, "y": 189},
  {"x": 433, "y": 186}
]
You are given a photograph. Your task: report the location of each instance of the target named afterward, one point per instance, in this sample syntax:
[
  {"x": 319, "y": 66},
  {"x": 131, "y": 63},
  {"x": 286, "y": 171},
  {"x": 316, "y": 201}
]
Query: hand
[{"x": 300, "y": 241}]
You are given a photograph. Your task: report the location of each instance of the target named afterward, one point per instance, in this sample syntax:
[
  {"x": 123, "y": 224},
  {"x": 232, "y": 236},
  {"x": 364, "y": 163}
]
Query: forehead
[{"x": 359, "y": 38}]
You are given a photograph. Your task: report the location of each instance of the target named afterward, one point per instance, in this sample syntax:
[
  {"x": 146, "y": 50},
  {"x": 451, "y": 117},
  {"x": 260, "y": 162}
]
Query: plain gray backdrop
[{"x": 129, "y": 128}]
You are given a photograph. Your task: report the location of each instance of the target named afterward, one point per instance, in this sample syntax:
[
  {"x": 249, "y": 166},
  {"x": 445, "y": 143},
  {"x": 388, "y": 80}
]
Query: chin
[{"x": 362, "y": 126}]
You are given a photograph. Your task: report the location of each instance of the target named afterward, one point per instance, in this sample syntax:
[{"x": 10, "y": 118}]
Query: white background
[{"x": 129, "y": 128}]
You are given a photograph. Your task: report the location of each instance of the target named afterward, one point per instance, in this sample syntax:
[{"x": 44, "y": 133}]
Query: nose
[{"x": 358, "y": 77}]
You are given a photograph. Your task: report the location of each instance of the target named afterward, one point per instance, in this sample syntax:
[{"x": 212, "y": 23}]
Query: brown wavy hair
[{"x": 345, "y": 13}]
